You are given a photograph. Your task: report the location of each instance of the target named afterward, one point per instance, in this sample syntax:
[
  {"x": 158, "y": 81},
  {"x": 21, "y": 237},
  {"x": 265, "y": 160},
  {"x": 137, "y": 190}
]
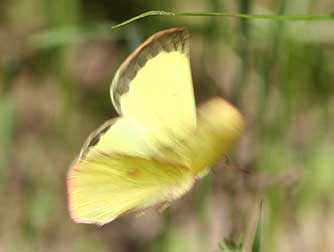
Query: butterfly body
[{"x": 160, "y": 145}]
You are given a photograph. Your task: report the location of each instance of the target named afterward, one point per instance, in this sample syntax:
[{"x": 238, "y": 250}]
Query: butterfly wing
[
  {"x": 120, "y": 167},
  {"x": 106, "y": 181},
  {"x": 104, "y": 186},
  {"x": 117, "y": 136},
  {"x": 117, "y": 170},
  {"x": 153, "y": 88},
  {"x": 219, "y": 126}
]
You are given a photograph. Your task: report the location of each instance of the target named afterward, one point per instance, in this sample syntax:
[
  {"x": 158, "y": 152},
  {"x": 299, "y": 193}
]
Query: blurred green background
[{"x": 57, "y": 59}]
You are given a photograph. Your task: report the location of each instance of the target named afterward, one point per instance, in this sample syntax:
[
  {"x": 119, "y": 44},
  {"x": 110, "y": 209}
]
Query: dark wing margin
[
  {"x": 173, "y": 39},
  {"x": 94, "y": 138}
]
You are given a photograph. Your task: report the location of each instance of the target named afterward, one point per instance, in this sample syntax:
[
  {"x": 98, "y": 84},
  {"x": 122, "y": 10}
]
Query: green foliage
[
  {"x": 6, "y": 136},
  {"x": 256, "y": 247},
  {"x": 231, "y": 246}
]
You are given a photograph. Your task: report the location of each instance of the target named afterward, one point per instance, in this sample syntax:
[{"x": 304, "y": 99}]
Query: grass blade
[
  {"x": 258, "y": 232},
  {"x": 302, "y": 17}
]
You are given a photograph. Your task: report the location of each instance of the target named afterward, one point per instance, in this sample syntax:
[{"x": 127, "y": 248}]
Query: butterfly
[{"x": 160, "y": 144}]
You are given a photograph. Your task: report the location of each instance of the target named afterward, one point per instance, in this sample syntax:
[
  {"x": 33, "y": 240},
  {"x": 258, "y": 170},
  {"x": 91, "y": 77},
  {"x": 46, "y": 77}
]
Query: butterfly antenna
[{"x": 231, "y": 167}]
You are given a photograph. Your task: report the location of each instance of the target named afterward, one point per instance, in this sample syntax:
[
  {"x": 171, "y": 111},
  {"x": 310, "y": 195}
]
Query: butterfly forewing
[{"x": 153, "y": 88}]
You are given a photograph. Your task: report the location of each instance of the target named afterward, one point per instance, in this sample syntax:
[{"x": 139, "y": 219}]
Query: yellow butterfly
[{"x": 158, "y": 147}]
